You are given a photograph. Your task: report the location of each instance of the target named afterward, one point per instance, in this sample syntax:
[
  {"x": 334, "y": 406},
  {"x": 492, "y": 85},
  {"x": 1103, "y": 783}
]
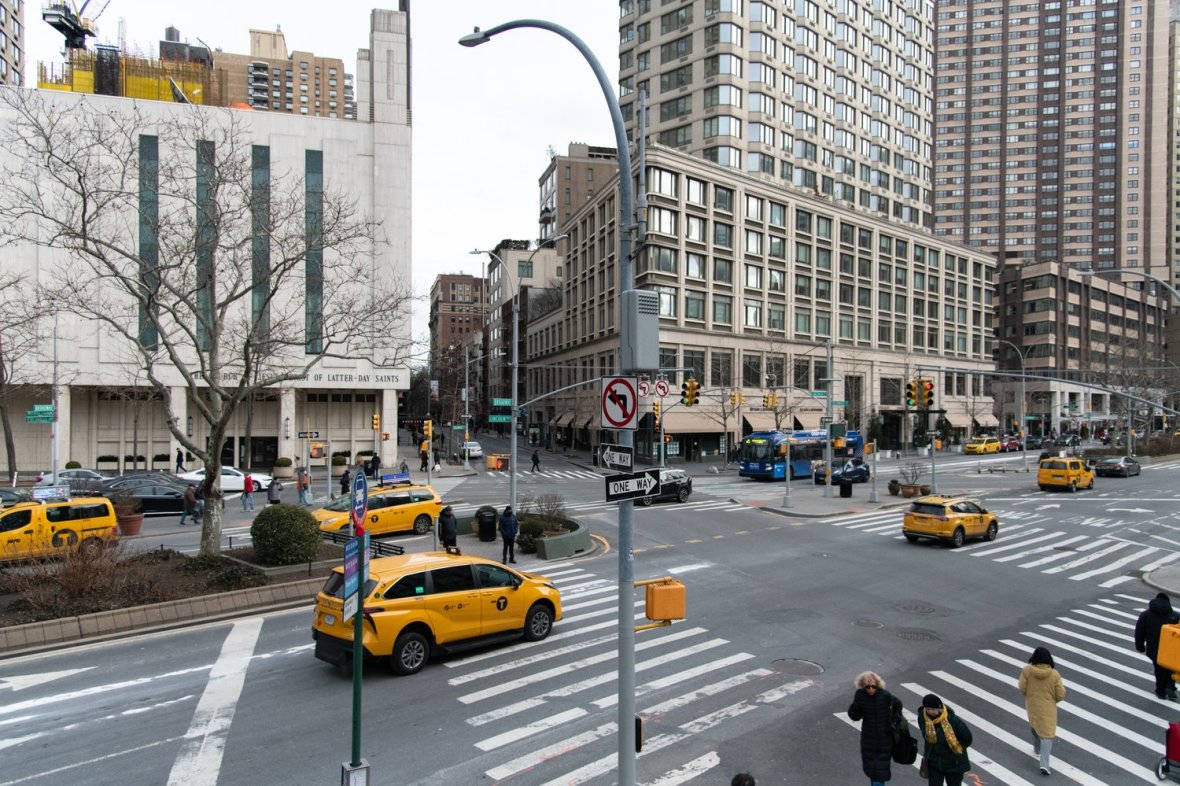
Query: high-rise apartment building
[
  {"x": 571, "y": 181},
  {"x": 12, "y": 42},
  {"x": 457, "y": 311},
  {"x": 832, "y": 97},
  {"x": 1051, "y": 135}
]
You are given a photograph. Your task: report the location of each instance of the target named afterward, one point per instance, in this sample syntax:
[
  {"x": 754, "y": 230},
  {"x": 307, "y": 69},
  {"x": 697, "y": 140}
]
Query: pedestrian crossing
[
  {"x": 552, "y": 474},
  {"x": 698, "y": 505},
  {"x": 1037, "y": 541},
  {"x": 1110, "y": 726},
  {"x": 546, "y": 712}
]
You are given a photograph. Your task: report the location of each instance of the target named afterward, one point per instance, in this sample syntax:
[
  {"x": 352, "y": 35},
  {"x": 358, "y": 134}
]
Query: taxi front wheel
[
  {"x": 538, "y": 623},
  {"x": 422, "y": 524},
  {"x": 410, "y": 652}
]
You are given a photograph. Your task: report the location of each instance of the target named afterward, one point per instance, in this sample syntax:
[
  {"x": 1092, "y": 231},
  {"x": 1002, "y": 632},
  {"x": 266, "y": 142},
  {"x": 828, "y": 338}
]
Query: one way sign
[{"x": 640, "y": 484}]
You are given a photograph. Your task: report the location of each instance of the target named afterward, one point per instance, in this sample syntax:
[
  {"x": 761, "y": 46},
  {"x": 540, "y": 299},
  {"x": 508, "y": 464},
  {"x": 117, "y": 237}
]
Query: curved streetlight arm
[{"x": 1124, "y": 271}]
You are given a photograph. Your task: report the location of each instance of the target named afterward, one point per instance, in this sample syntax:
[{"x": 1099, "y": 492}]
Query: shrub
[
  {"x": 360, "y": 454},
  {"x": 285, "y": 534},
  {"x": 164, "y": 457},
  {"x": 73, "y": 465},
  {"x": 912, "y": 473},
  {"x": 108, "y": 459},
  {"x": 343, "y": 453},
  {"x": 130, "y": 459},
  {"x": 531, "y": 528},
  {"x": 282, "y": 461},
  {"x": 338, "y": 460}
]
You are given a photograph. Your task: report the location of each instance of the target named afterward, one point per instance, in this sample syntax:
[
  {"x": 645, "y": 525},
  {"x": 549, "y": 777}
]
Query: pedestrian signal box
[
  {"x": 664, "y": 601},
  {"x": 317, "y": 450}
]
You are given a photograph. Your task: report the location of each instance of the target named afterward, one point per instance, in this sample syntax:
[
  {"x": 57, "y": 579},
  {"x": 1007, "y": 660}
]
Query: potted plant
[
  {"x": 161, "y": 460},
  {"x": 73, "y": 465},
  {"x": 910, "y": 475},
  {"x": 339, "y": 461},
  {"x": 283, "y": 468},
  {"x": 112, "y": 461},
  {"x": 128, "y": 513},
  {"x": 894, "y": 486}
]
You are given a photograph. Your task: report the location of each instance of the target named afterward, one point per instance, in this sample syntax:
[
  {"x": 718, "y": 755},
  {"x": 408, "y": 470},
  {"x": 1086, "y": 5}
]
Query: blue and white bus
[{"x": 763, "y": 454}]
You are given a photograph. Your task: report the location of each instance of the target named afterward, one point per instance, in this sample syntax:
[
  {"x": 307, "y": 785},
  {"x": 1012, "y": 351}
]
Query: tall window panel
[
  {"x": 314, "y": 273},
  {"x": 149, "y": 242},
  {"x": 206, "y": 242},
  {"x": 260, "y": 237}
]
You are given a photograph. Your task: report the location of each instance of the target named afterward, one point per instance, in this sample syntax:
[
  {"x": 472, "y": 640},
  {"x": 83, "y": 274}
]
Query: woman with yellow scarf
[{"x": 944, "y": 759}]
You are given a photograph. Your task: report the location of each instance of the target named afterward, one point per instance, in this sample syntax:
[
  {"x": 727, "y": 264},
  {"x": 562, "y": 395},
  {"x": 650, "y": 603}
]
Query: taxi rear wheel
[
  {"x": 90, "y": 547},
  {"x": 958, "y": 538},
  {"x": 911, "y": 538},
  {"x": 1073, "y": 486},
  {"x": 992, "y": 531},
  {"x": 422, "y": 524},
  {"x": 410, "y": 652},
  {"x": 538, "y": 623}
]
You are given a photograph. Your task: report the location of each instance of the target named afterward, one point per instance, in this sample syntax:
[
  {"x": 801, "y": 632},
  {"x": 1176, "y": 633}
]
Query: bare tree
[
  {"x": 224, "y": 284},
  {"x": 21, "y": 333}
]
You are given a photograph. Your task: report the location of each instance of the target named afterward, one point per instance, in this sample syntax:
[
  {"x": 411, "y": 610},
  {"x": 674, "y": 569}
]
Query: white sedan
[
  {"x": 471, "y": 449},
  {"x": 231, "y": 479}
]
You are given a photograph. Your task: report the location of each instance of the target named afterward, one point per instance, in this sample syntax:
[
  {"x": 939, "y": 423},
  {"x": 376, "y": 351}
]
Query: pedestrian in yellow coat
[{"x": 1041, "y": 685}]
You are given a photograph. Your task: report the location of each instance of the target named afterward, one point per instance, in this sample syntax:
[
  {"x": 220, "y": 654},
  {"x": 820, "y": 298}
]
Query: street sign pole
[
  {"x": 933, "y": 450},
  {"x": 787, "y": 474},
  {"x": 360, "y": 506}
]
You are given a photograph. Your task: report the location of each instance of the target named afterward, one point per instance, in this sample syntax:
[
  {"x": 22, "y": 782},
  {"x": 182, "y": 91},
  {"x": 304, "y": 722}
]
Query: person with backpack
[{"x": 273, "y": 491}]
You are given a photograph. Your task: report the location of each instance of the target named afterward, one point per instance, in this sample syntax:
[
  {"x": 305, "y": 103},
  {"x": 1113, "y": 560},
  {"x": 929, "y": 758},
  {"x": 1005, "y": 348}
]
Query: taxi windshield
[{"x": 340, "y": 504}]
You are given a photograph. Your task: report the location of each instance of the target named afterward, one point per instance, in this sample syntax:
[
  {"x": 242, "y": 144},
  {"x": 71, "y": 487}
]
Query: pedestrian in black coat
[
  {"x": 509, "y": 527},
  {"x": 345, "y": 482},
  {"x": 876, "y": 709},
  {"x": 448, "y": 528},
  {"x": 1158, "y": 613}
]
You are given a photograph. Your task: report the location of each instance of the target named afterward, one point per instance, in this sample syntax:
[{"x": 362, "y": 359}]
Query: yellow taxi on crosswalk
[
  {"x": 950, "y": 519},
  {"x": 406, "y": 508},
  {"x": 418, "y": 604}
]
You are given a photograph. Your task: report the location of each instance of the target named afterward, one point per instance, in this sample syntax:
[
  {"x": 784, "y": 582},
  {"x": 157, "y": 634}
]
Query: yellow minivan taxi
[
  {"x": 1065, "y": 472},
  {"x": 396, "y": 509},
  {"x": 35, "y": 530},
  {"x": 951, "y": 519},
  {"x": 418, "y": 604},
  {"x": 979, "y": 445}
]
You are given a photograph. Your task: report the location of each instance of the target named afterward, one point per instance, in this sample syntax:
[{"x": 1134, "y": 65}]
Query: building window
[
  {"x": 314, "y": 265},
  {"x": 723, "y": 309},
  {"x": 149, "y": 212}
]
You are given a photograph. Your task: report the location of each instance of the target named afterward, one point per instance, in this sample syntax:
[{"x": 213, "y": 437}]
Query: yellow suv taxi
[
  {"x": 1064, "y": 472},
  {"x": 978, "y": 445},
  {"x": 417, "y": 604},
  {"x": 391, "y": 509},
  {"x": 951, "y": 519},
  {"x": 54, "y": 528}
]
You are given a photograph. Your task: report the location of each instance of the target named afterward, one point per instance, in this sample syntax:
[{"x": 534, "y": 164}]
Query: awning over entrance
[
  {"x": 563, "y": 419},
  {"x": 987, "y": 421},
  {"x": 759, "y": 421},
  {"x": 588, "y": 422},
  {"x": 808, "y": 421},
  {"x": 956, "y": 419},
  {"x": 684, "y": 421}
]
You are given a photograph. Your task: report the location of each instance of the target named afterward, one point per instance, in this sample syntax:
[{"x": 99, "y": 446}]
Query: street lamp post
[
  {"x": 515, "y": 359},
  {"x": 626, "y": 578},
  {"x": 1023, "y": 446}
]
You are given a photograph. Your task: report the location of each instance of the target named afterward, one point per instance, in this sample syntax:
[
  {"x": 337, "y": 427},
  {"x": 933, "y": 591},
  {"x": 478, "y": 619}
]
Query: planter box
[
  {"x": 910, "y": 489},
  {"x": 567, "y": 544},
  {"x": 284, "y": 473}
]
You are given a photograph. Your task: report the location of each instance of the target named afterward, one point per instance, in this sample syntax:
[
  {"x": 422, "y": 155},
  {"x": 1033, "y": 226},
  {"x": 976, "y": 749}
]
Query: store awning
[
  {"x": 589, "y": 422},
  {"x": 956, "y": 419},
  {"x": 759, "y": 421},
  {"x": 986, "y": 421},
  {"x": 808, "y": 421},
  {"x": 684, "y": 421},
  {"x": 562, "y": 420}
]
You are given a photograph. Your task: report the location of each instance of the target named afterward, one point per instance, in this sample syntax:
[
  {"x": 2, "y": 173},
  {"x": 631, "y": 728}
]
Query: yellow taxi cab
[
  {"x": 391, "y": 509},
  {"x": 440, "y": 601},
  {"x": 1064, "y": 472},
  {"x": 979, "y": 445},
  {"x": 55, "y": 527},
  {"x": 951, "y": 519}
]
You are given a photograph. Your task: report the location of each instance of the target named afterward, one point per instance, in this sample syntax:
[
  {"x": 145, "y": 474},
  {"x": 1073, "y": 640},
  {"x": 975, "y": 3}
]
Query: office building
[{"x": 12, "y": 42}]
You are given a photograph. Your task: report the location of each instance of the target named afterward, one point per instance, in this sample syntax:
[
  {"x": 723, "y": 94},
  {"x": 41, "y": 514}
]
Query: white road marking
[
  {"x": 698, "y": 766},
  {"x": 22, "y": 681}
]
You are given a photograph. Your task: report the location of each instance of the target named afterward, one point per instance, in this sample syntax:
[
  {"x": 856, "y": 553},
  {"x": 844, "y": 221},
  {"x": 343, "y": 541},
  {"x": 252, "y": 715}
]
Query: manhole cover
[
  {"x": 800, "y": 668},
  {"x": 917, "y": 635},
  {"x": 918, "y": 608},
  {"x": 867, "y": 624}
]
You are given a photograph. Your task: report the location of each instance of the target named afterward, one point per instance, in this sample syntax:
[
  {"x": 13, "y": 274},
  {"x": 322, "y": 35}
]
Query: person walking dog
[
  {"x": 1158, "y": 613},
  {"x": 1042, "y": 688},
  {"x": 944, "y": 758},
  {"x": 878, "y": 711},
  {"x": 509, "y": 527}
]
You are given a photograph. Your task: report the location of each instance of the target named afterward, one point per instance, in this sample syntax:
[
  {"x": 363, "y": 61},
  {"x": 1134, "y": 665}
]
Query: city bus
[{"x": 763, "y": 453}]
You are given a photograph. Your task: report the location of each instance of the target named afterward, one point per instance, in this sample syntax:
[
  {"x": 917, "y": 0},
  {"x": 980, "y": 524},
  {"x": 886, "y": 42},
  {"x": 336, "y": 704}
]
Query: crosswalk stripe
[
  {"x": 698, "y": 766},
  {"x": 1056, "y": 544},
  {"x": 1164, "y": 560},
  {"x": 1116, "y": 565},
  {"x": 681, "y": 676},
  {"x": 541, "y": 755},
  {"x": 1058, "y": 644},
  {"x": 520, "y": 732},
  {"x": 987, "y": 549},
  {"x": 1088, "y": 558}
]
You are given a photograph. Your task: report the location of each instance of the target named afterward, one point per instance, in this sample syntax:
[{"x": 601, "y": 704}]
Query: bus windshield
[{"x": 758, "y": 449}]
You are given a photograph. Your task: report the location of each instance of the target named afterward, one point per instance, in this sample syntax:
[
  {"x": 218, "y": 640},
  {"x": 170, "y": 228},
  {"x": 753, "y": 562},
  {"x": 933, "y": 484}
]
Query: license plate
[{"x": 329, "y": 619}]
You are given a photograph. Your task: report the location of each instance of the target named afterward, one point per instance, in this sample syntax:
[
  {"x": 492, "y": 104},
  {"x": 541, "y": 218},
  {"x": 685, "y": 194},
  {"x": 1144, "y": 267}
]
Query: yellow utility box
[
  {"x": 1169, "y": 654},
  {"x": 665, "y": 601}
]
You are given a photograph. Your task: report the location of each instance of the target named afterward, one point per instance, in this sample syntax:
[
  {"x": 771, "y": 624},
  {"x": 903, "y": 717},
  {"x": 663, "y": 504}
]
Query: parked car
[
  {"x": 851, "y": 471},
  {"x": 951, "y": 519},
  {"x": 418, "y": 604},
  {"x": 1123, "y": 466},
  {"x": 76, "y": 479},
  {"x": 231, "y": 479},
  {"x": 13, "y": 496},
  {"x": 471, "y": 449},
  {"x": 55, "y": 528},
  {"x": 674, "y": 484},
  {"x": 159, "y": 493},
  {"x": 1033, "y": 443},
  {"x": 1068, "y": 441},
  {"x": 1010, "y": 444}
]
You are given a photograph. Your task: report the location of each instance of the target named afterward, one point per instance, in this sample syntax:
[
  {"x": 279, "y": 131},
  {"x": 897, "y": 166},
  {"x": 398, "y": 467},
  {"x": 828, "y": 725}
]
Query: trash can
[
  {"x": 846, "y": 490},
  {"x": 486, "y": 519}
]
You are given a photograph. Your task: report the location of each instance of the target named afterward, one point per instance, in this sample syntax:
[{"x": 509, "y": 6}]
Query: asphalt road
[{"x": 783, "y": 613}]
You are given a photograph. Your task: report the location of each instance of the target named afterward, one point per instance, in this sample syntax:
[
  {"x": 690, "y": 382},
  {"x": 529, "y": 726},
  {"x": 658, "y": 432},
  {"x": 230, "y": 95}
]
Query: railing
[{"x": 377, "y": 548}]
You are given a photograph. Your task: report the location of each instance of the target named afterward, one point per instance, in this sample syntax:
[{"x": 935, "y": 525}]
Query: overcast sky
[{"x": 483, "y": 120}]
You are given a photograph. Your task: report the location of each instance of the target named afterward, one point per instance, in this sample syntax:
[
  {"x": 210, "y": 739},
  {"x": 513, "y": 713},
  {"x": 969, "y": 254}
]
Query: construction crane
[{"x": 67, "y": 19}]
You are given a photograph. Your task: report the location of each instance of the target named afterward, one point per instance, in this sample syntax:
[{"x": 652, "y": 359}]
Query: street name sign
[
  {"x": 309, "y": 435},
  {"x": 839, "y": 403},
  {"x": 620, "y": 403},
  {"x": 44, "y": 407},
  {"x": 499, "y": 418},
  {"x": 640, "y": 484},
  {"x": 819, "y": 394},
  {"x": 620, "y": 457},
  {"x": 501, "y": 402}
]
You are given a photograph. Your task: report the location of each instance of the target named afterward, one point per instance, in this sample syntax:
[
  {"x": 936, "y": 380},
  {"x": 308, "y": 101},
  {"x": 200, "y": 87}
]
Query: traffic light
[
  {"x": 767, "y": 398},
  {"x": 376, "y": 422},
  {"x": 927, "y": 393},
  {"x": 688, "y": 392},
  {"x": 741, "y": 398},
  {"x": 428, "y": 429},
  {"x": 733, "y": 398},
  {"x": 655, "y": 411},
  {"x": 911, "y": 393}
]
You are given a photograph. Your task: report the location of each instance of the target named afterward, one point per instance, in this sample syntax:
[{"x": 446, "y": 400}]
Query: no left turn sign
[{"x": 620, "y": 402}]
